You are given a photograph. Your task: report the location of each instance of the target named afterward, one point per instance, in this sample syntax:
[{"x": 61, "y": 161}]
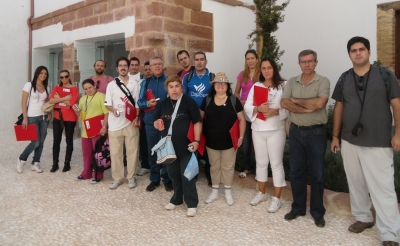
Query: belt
[{"x": 307, "y": 127}]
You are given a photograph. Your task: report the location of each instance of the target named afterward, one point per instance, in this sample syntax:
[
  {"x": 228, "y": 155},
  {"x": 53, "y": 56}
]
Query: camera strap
[{"x": 365, "y": 91}]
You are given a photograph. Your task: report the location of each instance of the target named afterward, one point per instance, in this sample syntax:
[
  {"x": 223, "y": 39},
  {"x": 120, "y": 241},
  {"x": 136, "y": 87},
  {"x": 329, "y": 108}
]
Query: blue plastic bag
[{"x": 192, "y": 168}]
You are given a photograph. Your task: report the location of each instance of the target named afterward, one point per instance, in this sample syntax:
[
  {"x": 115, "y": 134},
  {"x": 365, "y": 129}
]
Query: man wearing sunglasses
[
  {"x": 363, "y": 97},
  {"x": 100, "y": 79}
]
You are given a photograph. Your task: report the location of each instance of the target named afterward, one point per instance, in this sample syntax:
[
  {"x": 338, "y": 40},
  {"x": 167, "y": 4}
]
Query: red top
[{"x": 68, "y": 114}]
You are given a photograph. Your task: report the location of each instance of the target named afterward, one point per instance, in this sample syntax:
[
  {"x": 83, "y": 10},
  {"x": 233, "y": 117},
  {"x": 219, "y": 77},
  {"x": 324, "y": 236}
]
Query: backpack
[
  {"x": 232, "y": 97},
  {"x": 190, "y": 75},
  {"x": 101, "y": 160},
  {"x": 384, "y": 73}
]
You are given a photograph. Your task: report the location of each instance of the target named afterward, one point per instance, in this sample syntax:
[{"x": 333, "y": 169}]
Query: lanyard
[
  {"x": 365, "y": 90},
  {"x": 86, "y": 103}
]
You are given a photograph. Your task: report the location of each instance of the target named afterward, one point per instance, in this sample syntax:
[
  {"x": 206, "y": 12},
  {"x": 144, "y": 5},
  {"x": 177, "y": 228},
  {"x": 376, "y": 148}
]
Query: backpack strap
[
  {"x": 141, "y": 76},
  {"x": 341, "y": 83},
  {"x": 386, "y": 78},
  {"x": 212, "y": 76},
  {"x": 147, "y": 83},
  {"x": 232, "y": 98},
  {"x": 189, "y": 77}
]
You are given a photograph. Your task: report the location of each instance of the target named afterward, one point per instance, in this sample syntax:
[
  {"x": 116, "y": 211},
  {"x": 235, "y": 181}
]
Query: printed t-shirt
[
  {"x": 93, "y": 106},
  {"x": 36, "y": 100},
  {"x": 198, "y": 87},
  {"x": 67, "y": 114}
]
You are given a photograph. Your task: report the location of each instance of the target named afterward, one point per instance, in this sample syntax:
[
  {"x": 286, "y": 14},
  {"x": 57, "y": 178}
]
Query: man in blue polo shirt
[{"x": 196, "y": 84}]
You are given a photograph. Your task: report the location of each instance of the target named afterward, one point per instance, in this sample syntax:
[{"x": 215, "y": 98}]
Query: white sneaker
[
  {"x": 191, "y": 212},
  {"x": 212, "y": 197},
  {"x": 36, "y": 167},
  {"x": 259, "y": 197},
  {"x": 170, "y": 206},
  {"x": 114, "y": 184},
  {"x": 132, "y": 183},
  {"x": 228, "y": 197},
  {"x": 276, "y": 203},
  {"x": 143, "y": 171},
  {"x": 20, "y": 165}
]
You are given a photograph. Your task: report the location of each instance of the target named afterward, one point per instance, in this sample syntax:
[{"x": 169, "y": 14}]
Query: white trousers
[
  {"x": 268, "y": 147},
  {"x": 370, "y": 170}
]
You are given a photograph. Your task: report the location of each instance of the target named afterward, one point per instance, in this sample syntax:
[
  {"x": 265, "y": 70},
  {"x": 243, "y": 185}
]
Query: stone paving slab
[{"x": 55, "y": 209}]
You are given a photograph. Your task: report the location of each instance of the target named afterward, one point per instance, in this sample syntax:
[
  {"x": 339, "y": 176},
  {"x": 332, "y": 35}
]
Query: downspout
[{"x": 30, "y": 41}]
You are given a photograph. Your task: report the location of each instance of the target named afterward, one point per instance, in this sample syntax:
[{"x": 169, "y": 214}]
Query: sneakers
[
  {"x": 213, "y": 196},
  {"x": 20, "y": 165},
  {"x": 359, "y": 226},
  {"x": 143, "y": 171},
  {"x": 191, "y": 212},
  {"x": 276, "y": 203},
  {"x": 36, "y": 167},
  {"x": 152, "y": 186},
  {"x": 170, "y": 206},
  {"x": 228, "y": 196},
  {"x": 114, "y": 184},
  {"x": 168, "y": 187},
  {"x": 80, "y": 178},
  {"x": 132, "y": 183},
  {"x": 259, "y": 197},
  {"x": 95, "y": 181}
]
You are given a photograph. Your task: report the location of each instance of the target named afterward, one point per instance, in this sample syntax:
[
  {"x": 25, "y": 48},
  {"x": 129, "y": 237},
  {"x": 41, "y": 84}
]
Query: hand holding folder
[
  {"x": 235, "y": 134},
  {"x": 130, "y": 111},
  {"x": 149, "y": 96},
  {"x": 93, "y": 125},
  {"x": 260, "y": 97},
  {"x": 190, "y": 136},
  {"x": 28, "y": 134}
]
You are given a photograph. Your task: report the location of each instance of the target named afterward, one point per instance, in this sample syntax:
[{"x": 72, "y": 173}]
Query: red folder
[
  {"x": 62, "y": 92},
  {"x": 235, "y": 134},
  {"x": 190, "y": 136},
  {"x": 130, "y": 112},
  {"x": 28, "y": 134},
  {"x": 93, "y": 125},
  {"x": 260, "y": 97},
  {"x": 149, "y": 95}
]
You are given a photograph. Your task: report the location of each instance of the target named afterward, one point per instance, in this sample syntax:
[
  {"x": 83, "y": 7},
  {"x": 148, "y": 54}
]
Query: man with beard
[{"x": 100, "y": 79}]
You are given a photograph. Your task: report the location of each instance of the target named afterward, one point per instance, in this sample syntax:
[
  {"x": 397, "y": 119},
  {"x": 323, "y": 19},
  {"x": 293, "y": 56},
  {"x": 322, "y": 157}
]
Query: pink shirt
[{"x": 244, "y": 87}]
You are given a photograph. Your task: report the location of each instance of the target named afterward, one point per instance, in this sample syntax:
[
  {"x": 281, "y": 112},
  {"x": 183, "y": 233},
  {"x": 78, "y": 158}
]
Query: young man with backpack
[
  {"x": 363, "y": 97},
  {"x": 196, "y": 84}
]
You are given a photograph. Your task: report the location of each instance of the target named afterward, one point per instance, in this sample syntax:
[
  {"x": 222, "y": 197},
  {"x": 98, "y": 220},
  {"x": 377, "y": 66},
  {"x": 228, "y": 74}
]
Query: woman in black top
[
  {"x": 184, "y": 190},
  {"x": 221, "y": 111}
]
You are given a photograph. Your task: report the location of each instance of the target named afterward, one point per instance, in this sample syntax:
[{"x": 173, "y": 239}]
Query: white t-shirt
[
  {"x": 36, "y": 100},
  {"x": 135, "y": 77},
  {"x": 116, "y": 99},
  {"x": 274, "y": 100}
]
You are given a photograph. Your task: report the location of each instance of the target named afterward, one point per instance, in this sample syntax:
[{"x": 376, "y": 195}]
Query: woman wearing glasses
[{"x": 64, "y": 96}]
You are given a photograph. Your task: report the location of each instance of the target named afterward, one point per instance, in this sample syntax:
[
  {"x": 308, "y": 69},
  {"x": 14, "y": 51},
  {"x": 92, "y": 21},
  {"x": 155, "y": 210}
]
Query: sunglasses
[
  {"x": 65, "y": 77},
  {"x": 97, "y": 84},
  {"x": 360, "y": 83}
]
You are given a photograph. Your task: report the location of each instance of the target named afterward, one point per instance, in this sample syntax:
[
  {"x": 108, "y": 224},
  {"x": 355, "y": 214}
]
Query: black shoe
[
  {"x": 320, "y": 222},
  {"x": 152, "y": 186},
  {"x": 54, "y": 168},
  {"x": 66, "y": 168},
  {"x": 292, "y": 215},
  {"x": 80, "y": 178},
  {"x": 168, "y": 187}
]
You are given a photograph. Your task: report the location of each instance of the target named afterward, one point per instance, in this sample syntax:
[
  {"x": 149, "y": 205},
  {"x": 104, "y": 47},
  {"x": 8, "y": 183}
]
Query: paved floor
[{"x": 55, "y": 209}]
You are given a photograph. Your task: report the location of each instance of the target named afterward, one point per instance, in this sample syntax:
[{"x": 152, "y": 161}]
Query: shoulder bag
[{"x": 21, "y": 116}]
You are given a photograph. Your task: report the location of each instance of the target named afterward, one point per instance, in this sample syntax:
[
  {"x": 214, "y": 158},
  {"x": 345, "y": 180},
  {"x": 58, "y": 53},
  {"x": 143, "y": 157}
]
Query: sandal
[{"x": 242, "y": 175}]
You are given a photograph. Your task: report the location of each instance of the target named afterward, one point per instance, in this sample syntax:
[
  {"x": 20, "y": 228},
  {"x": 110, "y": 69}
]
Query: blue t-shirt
[{"x": 198, "y": 87}]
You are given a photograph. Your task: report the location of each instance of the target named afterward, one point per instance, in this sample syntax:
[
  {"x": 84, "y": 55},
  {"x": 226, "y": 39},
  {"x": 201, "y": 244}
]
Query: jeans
[
  {"x": 246, "y": 148},
  {"x": 183, "y": 188},
  {"x": 307, "y": 149},
  {"x": 58, "y": 130},
  {"x": 41, "y": 124},
  {"x": 153, "y": 136}
]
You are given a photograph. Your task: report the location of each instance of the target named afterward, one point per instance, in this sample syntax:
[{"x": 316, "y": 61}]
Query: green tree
[{"x": 268, "y": 16}]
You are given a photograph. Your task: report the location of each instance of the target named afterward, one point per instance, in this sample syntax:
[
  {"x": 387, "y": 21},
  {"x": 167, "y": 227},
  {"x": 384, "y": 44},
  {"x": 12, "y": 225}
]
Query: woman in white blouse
[{"x": 269, "y": 133}]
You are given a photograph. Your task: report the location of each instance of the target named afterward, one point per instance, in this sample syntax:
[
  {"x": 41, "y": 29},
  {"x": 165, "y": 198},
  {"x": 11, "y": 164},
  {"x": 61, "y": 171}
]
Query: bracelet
[
  {"x": 197, "y": 141},
  {"x": 148, "y": 104},
  {"x": 277, "y": 112},
  {"x": 104, "y": 127},
  {"x": 240, "y": 137}
]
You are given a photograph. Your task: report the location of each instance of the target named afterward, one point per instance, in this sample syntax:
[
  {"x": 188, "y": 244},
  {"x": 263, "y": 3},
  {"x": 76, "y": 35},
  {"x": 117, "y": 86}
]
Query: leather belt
[{"x": 307, "y": 127}]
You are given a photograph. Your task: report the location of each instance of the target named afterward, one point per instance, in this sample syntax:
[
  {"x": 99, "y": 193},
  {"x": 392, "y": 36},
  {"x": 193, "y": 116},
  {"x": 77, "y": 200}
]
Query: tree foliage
[{"x": 268, "y": 16}]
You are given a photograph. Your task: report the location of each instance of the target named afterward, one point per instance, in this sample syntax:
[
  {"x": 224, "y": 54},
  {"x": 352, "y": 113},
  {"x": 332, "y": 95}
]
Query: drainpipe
[{"x": 29, "y": 22}]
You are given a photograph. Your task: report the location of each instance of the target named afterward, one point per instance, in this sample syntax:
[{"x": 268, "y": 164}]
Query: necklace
[
  {"x": 173, "y": 105},
  {"x": 41, "y": 86},
  {"x": 86, "y": 104},
  {"x": 221, "y": 97}
]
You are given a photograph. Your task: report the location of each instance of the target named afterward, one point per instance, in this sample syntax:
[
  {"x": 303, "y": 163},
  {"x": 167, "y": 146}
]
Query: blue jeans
[
  {"x": 153, "y": 136},
  {"x": 41, "y": 124},
  {"x": 246, "y": 148},
  {"x": 307, "y": 149}
]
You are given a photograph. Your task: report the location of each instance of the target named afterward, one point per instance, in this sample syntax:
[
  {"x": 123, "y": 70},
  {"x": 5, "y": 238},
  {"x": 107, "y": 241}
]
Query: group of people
[{"x": 267, "y": 109}]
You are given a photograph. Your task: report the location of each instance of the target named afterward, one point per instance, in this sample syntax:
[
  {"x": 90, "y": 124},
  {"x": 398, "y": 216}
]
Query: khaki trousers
[
  {"x": 222, "y": 165},
  {"x": 129, "y": 135}
]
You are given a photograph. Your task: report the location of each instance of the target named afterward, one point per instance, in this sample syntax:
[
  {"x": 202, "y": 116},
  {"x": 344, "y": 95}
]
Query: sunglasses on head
[
  {"x": 65, "y": 77},
  {"x": 360, "y": 83}
]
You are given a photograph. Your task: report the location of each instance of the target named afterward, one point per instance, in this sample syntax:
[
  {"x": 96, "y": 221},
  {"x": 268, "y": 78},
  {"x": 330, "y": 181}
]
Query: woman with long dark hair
[
  {"x": 268, "y": 134},
  {"x": 64, "y": 96},
  {"x": 34, "y": 95},
  {"x": 245, "y": 81}
]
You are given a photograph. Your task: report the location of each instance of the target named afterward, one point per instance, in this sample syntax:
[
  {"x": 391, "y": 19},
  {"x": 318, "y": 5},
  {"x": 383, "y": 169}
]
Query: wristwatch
[{"x": 198, "y": 141}]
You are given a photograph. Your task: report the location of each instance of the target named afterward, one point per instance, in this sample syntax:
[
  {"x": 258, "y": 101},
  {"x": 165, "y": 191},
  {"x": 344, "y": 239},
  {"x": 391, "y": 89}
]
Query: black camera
[{"x": 357, "y": 129}]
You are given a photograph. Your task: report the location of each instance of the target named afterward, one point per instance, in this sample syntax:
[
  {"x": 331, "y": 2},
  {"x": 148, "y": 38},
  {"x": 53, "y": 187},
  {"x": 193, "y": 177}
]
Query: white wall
[
  {"x": 325, "y": 26},
  {"x": 14, "y": 58},
  {"x": 231, "y": 27},
  {"x": 43, "y": 7}
]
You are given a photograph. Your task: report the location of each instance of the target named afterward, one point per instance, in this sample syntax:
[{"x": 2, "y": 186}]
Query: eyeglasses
[
  {"x": 220, "y": 83},
  {"x": 97, "y": 84},
  {"x": 157, "y": 64},
  {"x": 65, "y": 77},
  {"x": 307, "y": 62},
  {"x": 360, "y": 83}
]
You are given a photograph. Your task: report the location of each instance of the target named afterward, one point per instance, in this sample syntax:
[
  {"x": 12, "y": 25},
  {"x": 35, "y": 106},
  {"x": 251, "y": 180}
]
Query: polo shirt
[{"x": 318, "y": 86}]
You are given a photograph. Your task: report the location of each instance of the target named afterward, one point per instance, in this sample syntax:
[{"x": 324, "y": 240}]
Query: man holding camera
[{"x": 363, "y": 97}]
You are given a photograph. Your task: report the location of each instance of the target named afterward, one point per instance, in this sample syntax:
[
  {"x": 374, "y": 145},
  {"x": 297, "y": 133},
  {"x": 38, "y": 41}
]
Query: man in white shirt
[{"x": 120, "y": 129}]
